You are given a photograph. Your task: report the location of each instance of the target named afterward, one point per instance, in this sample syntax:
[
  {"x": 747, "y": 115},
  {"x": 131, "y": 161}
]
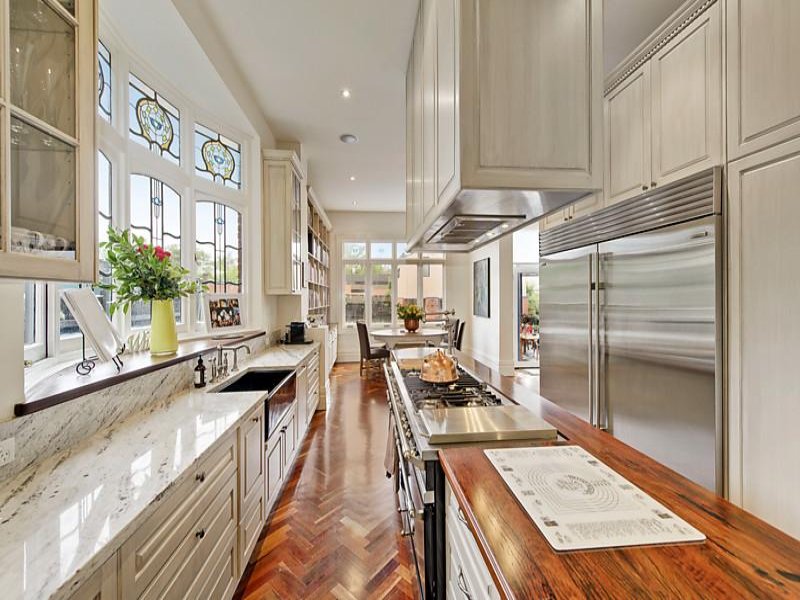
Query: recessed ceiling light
[
  {"x": 345, "y": 93},
  {"x": 352, "y": 177},
  {"x": 348, "y": 138}
]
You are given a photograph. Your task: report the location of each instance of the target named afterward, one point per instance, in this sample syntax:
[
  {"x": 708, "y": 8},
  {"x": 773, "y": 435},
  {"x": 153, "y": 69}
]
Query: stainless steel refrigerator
[{"x": 632, "y": 321}]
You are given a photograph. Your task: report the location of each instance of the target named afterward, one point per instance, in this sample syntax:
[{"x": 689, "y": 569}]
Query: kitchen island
[{"x": 742, "y": 557}]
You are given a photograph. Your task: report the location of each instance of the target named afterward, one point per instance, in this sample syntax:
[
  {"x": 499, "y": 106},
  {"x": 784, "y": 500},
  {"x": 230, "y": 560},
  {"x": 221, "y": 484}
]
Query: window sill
[{"x": 57, "y": 383}]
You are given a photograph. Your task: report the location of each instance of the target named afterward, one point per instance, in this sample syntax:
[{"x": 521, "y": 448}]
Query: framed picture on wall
[
  {"x": 224, "y": 312},
  {"x": 480, "y": 288}
]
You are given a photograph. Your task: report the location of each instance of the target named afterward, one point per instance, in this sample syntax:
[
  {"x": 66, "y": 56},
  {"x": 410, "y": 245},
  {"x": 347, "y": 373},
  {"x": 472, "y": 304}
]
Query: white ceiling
[
  {"x": 298, "y": 55},
  {"x": 626, "y": 23}
]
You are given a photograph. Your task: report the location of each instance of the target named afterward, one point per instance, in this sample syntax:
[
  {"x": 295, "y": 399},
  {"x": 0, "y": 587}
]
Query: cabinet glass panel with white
[{"x": 47, "y": 140}]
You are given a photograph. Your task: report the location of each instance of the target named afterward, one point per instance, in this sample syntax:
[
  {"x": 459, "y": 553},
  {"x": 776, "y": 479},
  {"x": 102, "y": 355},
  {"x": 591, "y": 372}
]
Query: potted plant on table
[
  {"x": 148, "y": 274},
  {"x": 411, "y": 315}
]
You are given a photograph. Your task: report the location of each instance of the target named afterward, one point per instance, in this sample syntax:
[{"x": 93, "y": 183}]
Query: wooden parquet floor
[{"x": 336, "y": 532}]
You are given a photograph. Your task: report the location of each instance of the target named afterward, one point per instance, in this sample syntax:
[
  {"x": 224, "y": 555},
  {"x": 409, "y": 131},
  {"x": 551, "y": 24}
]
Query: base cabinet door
[
  {"x": 251, "y": 453},
  {"x": 763, "y": 81},
  {"x": 686, "y": 90},
  {"x": 101, "y": 585},
  {"x": 289, "y": 441},
  {"x": 764, "y": 334},
  {"x": 274, "y": 461}
]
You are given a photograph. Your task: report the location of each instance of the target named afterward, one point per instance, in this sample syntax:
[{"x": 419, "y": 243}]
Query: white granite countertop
[{"x": 63, "y": 517}]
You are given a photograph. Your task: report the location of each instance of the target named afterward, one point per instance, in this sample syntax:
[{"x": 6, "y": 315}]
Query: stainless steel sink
[{"x": 256, "y": 381}]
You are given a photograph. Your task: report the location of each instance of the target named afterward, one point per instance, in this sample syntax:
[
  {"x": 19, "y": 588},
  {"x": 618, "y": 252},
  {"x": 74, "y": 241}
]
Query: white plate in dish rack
[{"x": 578, "y": 503}]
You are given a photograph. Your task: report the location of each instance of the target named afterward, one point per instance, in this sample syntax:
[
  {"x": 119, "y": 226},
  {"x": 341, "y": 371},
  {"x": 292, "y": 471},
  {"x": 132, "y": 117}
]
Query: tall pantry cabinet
[{"x": 763, "y": 102}]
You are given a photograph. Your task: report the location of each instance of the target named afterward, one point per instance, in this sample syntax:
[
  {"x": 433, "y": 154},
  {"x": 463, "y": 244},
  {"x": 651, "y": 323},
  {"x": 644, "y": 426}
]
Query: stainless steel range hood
[{"x": 478, "y": 217}]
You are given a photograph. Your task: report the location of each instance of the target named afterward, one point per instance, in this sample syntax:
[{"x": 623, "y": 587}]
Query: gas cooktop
[{"x": 465, "y": 392}]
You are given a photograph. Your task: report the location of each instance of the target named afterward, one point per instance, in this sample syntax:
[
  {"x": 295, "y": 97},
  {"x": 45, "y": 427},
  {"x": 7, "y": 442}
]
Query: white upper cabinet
[
  {"x": 513, "y": 104},
  {"x": 47, "y": 131},
  {"x": 686, "y": 90},
  {"x": 664, "y": 120},
  {"x": 627, "y": 112},
  {"x": 763, "y": 80},
  {"x": 284, "y": 207}
]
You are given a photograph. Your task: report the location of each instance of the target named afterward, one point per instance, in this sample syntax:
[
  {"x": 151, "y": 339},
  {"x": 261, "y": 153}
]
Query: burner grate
[{"x": 465, "y": 392}]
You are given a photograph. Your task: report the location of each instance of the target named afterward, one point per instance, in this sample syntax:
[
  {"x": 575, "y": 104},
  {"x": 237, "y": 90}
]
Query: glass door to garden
[{"x": 527, "y": 283}]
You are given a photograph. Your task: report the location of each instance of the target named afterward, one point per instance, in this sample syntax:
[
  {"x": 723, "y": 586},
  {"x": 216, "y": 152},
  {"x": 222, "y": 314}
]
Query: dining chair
[
  {"x": 369, "y": 353},
  {"x": 460, "y": 336}
]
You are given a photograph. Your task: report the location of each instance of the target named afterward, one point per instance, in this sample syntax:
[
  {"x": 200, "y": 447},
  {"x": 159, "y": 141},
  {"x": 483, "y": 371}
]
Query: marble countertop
[{"x": 62, "y": 518}]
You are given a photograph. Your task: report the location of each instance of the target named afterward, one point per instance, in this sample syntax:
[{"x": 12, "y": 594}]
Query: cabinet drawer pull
[
  {"x": 644, "y": 188},
  {"x": 200, "y": 534},
  {"x": 652, "y": 184},
  {"x": 462, "y": 518},
  {"x": 462, "y": 584},
  {"x": 200, "y": 477},
  {"x": 255, "y": 419}
]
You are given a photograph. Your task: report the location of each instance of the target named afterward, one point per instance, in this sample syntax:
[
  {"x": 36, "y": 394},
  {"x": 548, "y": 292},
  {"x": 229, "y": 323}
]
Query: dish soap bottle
[{"x": 200, "y": 374}]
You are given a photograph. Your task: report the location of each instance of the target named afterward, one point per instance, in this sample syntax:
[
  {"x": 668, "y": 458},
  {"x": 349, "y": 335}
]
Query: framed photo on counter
[{"x": 224, "y": 312}]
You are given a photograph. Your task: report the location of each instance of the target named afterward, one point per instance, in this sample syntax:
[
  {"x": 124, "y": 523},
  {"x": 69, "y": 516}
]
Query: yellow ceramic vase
[{"x": 163, "y": 333}]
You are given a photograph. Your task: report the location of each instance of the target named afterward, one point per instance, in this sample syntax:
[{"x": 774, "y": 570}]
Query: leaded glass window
[
  {"x": 217, "y": 157},
  {"x": 155, "y": 216},
  {"x": 218, "y": 247},
  {"x": 103, "y": 81},
  {"x": 104, "y": 213},
  {"x": 154, "y": 122}
]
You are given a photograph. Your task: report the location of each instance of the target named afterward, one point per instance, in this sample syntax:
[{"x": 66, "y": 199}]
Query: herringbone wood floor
[{"x": 335, "y": 532}]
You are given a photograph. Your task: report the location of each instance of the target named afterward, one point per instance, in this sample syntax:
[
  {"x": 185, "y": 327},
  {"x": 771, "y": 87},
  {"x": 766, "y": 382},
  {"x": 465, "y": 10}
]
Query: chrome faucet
[{"x": 234, "y": 350}]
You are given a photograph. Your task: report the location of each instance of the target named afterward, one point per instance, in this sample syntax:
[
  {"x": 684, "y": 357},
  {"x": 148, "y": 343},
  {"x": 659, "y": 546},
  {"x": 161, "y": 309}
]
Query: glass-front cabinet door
[{"x": 48, "y": 92}]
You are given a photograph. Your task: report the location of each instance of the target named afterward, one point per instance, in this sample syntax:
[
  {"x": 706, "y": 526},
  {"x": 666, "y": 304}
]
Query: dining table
[{"x": 397, "y": 336}]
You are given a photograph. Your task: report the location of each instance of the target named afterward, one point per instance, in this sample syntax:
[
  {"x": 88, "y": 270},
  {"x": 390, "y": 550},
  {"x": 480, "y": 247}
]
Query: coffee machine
[{"x": 296, "y": 333}]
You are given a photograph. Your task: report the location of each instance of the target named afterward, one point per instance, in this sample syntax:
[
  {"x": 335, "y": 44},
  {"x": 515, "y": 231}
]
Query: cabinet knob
[
  {"x": 255, "y": 419},
  {"x": 200, "y": 534},
  {"x": 201, "y": 477},
  {"x": 644, "y": 188},
  {"x": 652, "y": 184}
]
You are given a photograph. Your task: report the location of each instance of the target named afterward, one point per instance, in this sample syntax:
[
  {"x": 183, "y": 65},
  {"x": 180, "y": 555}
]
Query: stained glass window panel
[
  {"x": 154, "y": 122},
  {"x": 103, "y": 81},
  {"x": 217, "y": 157},
  {"x": 218, "y": 249},
  {"x": 155, "y": 216}
]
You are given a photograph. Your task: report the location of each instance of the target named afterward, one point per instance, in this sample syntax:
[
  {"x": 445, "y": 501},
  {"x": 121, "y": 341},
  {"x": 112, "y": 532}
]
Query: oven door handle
[{"x": 416, "y": 509}]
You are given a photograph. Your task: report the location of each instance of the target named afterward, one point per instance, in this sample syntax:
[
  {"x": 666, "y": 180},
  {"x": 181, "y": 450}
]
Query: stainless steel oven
[{"x": 414, "y": 483}]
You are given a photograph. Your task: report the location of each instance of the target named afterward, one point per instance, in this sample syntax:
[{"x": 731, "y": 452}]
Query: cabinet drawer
[
  {"x": 221, "y": 573},
  {"x": 190, "y": 566},
  {"x": 462, "y": 540},
  {"x": 251, "y": 456},
  {"x": 154, "y": 545},
  {"x": 250, "y": 527}
]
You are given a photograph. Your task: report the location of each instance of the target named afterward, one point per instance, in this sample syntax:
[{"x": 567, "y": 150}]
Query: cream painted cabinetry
[
  {"x": 578, "y": 209},
  {"x": 100, "y": 585},
  {"x": 763, "y": 79},
  {"x": 47, "y": 140},
  {"x": 189, "y": 543},
  {"x": 664, "y": 121},
  {"x": 764, "y": 334},
  {"x": 512, "y": 104},
  {"x": 627, "y": 137},
  {"x": 283, "y": 207},
  {"x": 252, "y": 504},
  {"x": 467, "y": 573}
]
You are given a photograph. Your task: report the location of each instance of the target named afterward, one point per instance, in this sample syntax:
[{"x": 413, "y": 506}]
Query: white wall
[
  {"x": 357, "y": 225},
  {"x": 490, "y": 340}
]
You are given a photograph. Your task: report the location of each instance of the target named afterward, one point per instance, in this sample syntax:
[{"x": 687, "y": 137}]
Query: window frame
[
  {"x": 128, "y": 156},
  {"x": 396, "y": 261}
]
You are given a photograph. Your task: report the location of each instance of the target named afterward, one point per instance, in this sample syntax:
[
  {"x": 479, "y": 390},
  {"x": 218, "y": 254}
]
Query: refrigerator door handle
[
  {"x": 602, "y": 409},
  {"x": 593, "y": 412}
]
